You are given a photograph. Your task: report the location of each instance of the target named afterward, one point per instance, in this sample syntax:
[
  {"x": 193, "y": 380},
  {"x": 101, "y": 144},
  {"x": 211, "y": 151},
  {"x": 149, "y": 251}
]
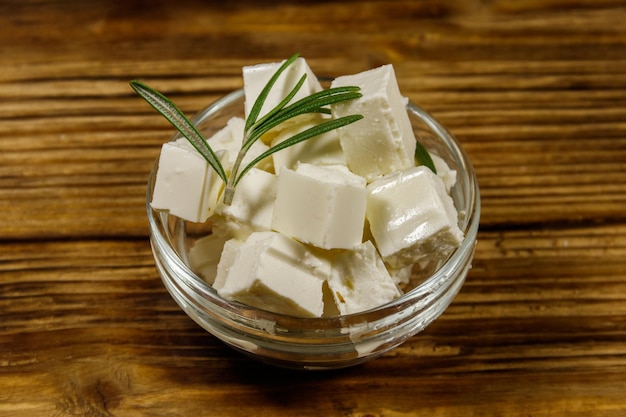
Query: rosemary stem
[
  {"x": 229, "y": 190},
  {"x": 229, "y": 193}
]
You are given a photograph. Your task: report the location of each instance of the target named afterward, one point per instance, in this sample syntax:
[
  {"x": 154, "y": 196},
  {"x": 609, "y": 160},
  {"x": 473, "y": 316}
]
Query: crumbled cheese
[{"x": 401, "y": 276}]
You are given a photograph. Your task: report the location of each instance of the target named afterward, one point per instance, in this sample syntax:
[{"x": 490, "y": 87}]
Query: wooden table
[{"x": 534, "y": 90}]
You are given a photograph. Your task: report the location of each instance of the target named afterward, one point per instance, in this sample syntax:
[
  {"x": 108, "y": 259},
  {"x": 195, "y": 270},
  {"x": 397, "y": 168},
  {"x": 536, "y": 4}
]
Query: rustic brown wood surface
[{"x": 534, "y": 90}]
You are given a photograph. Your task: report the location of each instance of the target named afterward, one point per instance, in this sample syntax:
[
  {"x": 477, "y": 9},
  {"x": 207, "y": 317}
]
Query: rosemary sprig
[
  {"x": 256, "y": 127},
  {"x": 300, "y": 137},
  {"x": 312, "y": 104}
]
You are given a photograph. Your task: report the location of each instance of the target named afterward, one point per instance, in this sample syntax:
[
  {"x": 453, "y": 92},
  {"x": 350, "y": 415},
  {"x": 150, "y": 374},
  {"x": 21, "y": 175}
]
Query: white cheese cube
[
  {"x": 411, "y": 217},
  {"x": 324, "y": 149},
  {"x": 273, "y": 272},
  {"x": 443, "y": 170},
  {"x": 204, "y": 256},
  {"x": 228, "y": 256},
  {"x": 255, "y": 77},
  {"x": 230, "y": 139},
  {"x": 383, "y": 141},
  {"x": 253, "y": 203},
  {"x": 186, "y": 185},
  {"x": 320, "y": 205},
  {"x": 359, "y": 280}
]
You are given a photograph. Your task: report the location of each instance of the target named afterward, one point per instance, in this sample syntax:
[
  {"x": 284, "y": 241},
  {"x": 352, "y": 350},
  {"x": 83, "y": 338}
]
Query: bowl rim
[{"x": 470, "y": 227}]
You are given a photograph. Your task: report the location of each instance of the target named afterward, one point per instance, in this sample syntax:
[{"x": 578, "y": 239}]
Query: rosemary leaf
[
  {"x": 422, "y": 157},
  {"x": 311, "y": 104},
  {"x": 175, "y": 116},
  {"x": 258, "y": 104}
]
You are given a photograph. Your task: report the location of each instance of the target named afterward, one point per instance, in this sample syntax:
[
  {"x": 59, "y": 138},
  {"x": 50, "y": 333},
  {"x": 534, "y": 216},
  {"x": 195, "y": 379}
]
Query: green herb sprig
[{"x": 256, "y": 127}]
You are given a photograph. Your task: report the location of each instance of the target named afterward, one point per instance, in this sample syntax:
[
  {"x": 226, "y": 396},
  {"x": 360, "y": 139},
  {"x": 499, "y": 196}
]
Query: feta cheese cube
[
  {"x": 411, "y": 217},
  {"x": 359, "y": 280},
  {"x": 253, "y": 203},
  {"x": 383, "y": 141},
  {"x": 186, "y": 185},
  {"x": 273, "y": 272},
  {"x": 320, "y": 205},
  {"x": 324, "y": 149},
  {"x": 255, "y": 78},
  {"x": 228, "y": 256}
]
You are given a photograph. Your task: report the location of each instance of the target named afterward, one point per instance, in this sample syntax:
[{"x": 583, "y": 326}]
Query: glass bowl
[{"x": 316, "y": 343}]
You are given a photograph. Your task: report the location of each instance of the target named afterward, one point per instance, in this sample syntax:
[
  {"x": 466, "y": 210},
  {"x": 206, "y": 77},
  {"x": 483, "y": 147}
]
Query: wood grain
[{"x": 534, "y": 90}]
